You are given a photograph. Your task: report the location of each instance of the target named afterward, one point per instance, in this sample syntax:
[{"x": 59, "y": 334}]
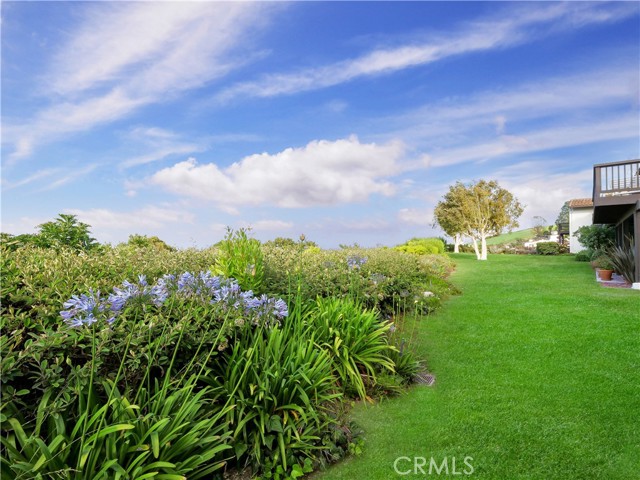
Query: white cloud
[
  {"x": 71, "y": 176},
  {"x": 611, "y": 127},
  {"x": 23, "y": 225},
  {"x": 34, "y": 177},
  {"x": 149, "y": 217},
  {"x": 416, "y": 216},
  {"x": 125, "y": 55},
  {"x": 56, "y": 177},
  {"x": 586, "y": 93},
  {"x": 513, "y": 27},
  {"x": 321, "y": 173},
  {"x": 542, "y": 189},
  {"x": 270, "y": 225},
  {"x": 159, "y": 143}
]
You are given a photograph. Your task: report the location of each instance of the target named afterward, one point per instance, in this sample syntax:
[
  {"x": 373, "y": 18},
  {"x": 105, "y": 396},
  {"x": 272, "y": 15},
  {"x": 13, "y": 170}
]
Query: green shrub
[
  {"x": 383, "y": 278},
  {"x": 240, "y": 257},
  {"x": 423, "y": 246},
  {"x": 161, "y": 352},
  {"x": 596, "y": 237},
  {"x": 548, "y": 248},
  {"x": 584, "y": 256},
  {"x": 143, "y": 241}
]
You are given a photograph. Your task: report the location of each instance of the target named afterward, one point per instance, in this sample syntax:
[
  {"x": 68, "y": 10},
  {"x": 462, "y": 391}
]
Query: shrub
[
  {"x": 379, "y": 277},
  {"x": 596, "y": 237},
  {"x": 143, "y": 241},
  {"x": 240, "y": 257},
  {"x": 422, "y": 246},
  {"x": 548, "y": 248},
  {"x": 584, "y": 256},
  {"x": 112, "y": 362}
]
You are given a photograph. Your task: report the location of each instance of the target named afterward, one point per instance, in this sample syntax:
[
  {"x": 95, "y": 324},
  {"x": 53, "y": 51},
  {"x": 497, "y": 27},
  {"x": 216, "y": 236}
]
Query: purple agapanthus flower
[
  {"x": 355, "y": 261},
  {"x": 86, "y": 309},
  {"x": 82, "y": 309}
]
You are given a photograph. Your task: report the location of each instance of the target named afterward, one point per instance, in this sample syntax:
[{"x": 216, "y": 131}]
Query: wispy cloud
[
  {"x": 123, "y": 56},
  {"x": 321, "y": 173},
  {"x": 608, "y": 128},
  {"x": 54, "y": 177},
  {"x": 572, "y": 110},
  {"x": 159, "y": 144},
  {"x": 71, "y": 176},
  {"x": 34, "y": 177},
  {"x": 576, "y": 95},
  {"x": 513, "y": 27}
]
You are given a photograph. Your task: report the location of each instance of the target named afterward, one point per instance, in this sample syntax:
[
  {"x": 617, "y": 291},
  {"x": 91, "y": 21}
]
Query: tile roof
[{"x": 581, "y": 203}]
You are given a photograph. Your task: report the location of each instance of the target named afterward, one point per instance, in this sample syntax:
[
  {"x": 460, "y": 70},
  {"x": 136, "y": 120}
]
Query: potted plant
[{"x": 604, "y": 267}]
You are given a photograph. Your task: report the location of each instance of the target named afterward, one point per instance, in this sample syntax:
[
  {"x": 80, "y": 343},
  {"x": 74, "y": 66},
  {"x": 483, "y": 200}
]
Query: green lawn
[
  {"x": 510, "y": 237},
  {"x": 537, "y": 377}
]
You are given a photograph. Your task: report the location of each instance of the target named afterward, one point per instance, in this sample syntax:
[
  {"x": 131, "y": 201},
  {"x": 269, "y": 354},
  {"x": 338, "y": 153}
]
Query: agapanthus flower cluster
[
  {"x": 202, "y": 287},
  {"x": 133, "y": 293},
  {"x": 355, "y": 262},
  {"x": 84, "y": 309}
]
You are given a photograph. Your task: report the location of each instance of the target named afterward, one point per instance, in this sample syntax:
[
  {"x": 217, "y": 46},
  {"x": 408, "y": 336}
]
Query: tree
[
  {"x": 563, "y": 216},
  {"x": 142, "y": 241},
  {"x": 539, "y": 226},
  {"x": 450, "y": 222},
  {"x": 478, "y": 210},
  {"x": 67, "y": 231}
]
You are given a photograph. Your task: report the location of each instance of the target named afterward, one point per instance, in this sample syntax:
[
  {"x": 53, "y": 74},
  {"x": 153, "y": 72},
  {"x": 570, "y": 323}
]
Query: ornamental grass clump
[
  {"x": 281, "y": 387},
  {"x": 622, "y": 260},
  {"x": 356, "y": 340}
]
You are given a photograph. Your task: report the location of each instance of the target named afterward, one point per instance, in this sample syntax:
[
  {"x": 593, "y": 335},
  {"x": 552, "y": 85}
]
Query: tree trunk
[
  {"x": 483, "y": 253},
  {"x": 475, "y": 247},
  {"x": 457, "y": 239}
]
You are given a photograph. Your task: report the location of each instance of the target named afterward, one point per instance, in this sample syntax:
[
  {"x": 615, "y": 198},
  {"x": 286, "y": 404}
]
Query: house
[
  {"x": 580, "y": 215},
  {"x": 616, "y": 201}
]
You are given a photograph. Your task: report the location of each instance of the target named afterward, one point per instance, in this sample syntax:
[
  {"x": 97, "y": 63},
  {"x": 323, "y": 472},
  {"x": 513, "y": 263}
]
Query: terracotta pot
[{"x": 605, "y": 275}]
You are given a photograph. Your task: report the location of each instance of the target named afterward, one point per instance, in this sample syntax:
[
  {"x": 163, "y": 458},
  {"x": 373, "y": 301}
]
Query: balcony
[{"x": 616, "y": 189}]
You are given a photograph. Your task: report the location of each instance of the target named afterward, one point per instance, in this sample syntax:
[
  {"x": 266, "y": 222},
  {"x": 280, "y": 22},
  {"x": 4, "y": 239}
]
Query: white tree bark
[
  {"x": 457, "y": 239},
  {"x": 475, "y": 247},
  {"x": 483, "y": 252}
]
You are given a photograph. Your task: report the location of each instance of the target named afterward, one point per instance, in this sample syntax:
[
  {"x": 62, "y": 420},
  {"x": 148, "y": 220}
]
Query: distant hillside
[{"x": 510, "y": 237}]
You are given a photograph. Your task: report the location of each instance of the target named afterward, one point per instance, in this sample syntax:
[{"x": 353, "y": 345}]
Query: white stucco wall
[{"x": 578, "y": 217}]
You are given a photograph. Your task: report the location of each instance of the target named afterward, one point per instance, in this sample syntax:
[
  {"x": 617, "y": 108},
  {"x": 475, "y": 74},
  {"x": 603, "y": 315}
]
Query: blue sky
[{"x": 345, "y": 121}]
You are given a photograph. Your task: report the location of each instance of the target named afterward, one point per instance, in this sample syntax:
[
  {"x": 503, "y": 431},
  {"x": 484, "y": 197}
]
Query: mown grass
[
  {"x": 511, "y": 236},
  {"x": 538, "y": 377}
]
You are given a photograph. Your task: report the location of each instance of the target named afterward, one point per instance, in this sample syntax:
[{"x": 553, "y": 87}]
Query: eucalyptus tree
[{"x": 478, "y": 210}]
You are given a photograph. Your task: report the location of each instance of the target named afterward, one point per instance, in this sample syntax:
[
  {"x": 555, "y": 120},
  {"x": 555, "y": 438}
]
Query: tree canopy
[{"x": 67, "y": 231}]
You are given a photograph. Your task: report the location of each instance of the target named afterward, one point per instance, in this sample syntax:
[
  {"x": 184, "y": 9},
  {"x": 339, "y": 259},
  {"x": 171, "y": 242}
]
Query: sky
[{"x": 343, "y": 121}]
